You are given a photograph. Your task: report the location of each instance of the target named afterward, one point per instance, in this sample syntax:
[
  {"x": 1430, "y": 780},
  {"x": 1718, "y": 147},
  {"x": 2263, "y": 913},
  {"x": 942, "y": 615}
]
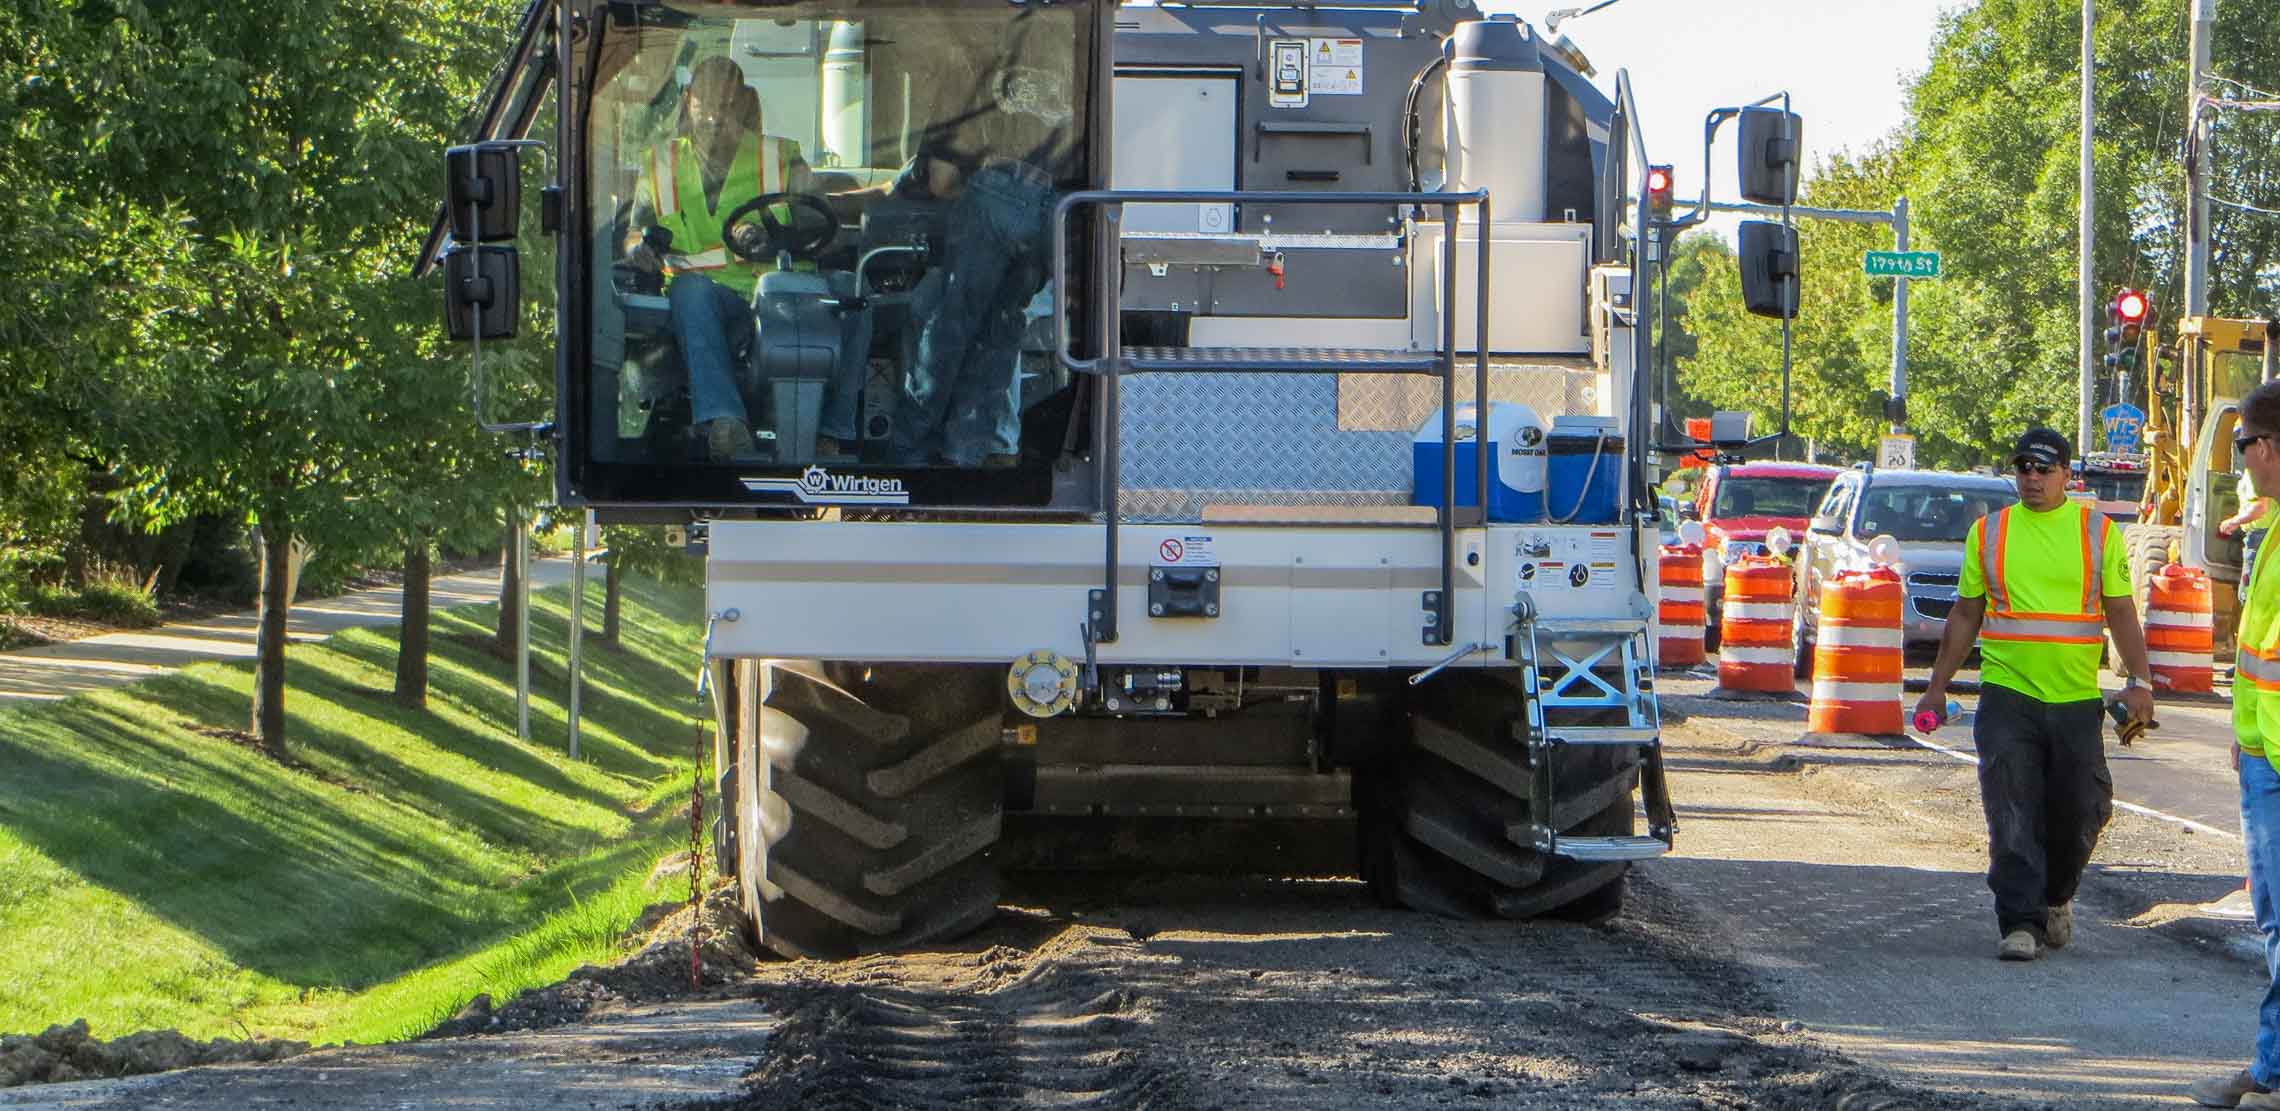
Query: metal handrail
[{"x": 1107, "y": 364}]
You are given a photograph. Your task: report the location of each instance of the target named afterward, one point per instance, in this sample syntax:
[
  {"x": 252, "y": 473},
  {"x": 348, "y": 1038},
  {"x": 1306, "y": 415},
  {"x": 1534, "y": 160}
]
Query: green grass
[
  {"x": 155, "y": 874},
  {"x": 108, "y": 602}
]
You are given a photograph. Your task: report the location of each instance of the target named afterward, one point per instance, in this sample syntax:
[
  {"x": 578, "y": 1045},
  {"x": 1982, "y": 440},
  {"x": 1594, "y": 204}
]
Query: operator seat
[{"x": 813, "y": 334}]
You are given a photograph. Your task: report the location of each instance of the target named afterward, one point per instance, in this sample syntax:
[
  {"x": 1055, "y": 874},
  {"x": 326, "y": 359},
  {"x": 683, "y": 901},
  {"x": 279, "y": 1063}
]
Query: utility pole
[
  {"x": 2085, "y": 274},
  {"x": 2196, "y": 164},
  {"x": 1899, "y": 318}
]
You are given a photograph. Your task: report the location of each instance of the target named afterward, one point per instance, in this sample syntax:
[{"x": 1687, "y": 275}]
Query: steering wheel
[{"x": 801, "y": 237}]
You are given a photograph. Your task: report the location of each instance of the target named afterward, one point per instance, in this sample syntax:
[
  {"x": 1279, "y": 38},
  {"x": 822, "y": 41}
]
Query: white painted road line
[{"x": 2134, "y": 808}]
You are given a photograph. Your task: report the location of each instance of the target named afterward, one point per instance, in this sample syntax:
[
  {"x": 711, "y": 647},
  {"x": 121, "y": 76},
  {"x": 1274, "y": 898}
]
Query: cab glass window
[{"x": 820, "y": 232}]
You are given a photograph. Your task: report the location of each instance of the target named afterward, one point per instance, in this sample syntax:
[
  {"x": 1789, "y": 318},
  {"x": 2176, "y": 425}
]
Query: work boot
[
  {"x": 726, "y": 438},
  {"x": 2060, "y": 929},
  {"x": 2019, "y": 945},
  {"x": 2269, "y": 1101},
  {"x": 2230, "y": 1091}
]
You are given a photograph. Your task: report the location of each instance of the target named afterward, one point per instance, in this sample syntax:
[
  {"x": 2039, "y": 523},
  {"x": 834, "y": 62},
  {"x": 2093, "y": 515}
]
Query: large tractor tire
[
  {"x": 872, "y": 803},
  {"x": 2148, "y": 547},
  {"x": 1446, "y": 825}
]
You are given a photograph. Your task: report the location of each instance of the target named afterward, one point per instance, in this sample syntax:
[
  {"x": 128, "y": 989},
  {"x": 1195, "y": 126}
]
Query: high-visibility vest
[
  {"x": 673, "y": 186},
  {"x": 2256, "y": 663},
  {"x": 2005, "y": 622}
]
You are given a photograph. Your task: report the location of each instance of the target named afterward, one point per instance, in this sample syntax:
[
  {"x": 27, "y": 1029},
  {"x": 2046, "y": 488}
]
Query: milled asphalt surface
[{"x": 61, "y": 670}]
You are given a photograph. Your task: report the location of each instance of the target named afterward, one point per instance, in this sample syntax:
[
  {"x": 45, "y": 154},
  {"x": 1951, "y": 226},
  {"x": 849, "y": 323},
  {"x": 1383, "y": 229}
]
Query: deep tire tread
[
  {"x": 880, "y": 806},
  {"x": 1447, "y": 827}
]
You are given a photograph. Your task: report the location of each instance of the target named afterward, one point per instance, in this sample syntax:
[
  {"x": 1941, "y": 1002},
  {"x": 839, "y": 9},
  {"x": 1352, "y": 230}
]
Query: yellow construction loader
[{"x": 2192, "y": 476}]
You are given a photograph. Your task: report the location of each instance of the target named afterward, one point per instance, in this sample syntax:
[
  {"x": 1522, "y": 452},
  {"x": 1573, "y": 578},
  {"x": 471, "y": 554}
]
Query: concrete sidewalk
[{"x": 61, "y": 670}]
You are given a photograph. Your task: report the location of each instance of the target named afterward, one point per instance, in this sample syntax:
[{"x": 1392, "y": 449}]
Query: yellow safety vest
[
  {"x": 673, "y": 187},
  {"x": 2256, "y": 663},
  {"x": 2045, "y": 614}
]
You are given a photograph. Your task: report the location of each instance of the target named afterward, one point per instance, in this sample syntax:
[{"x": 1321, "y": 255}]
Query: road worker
[
  {"x": 719, "y": 158},
  {"x": 2256, "y": 716},
  {"x": 2042, "y": 580},
  {"x": 2250, "y": 523}
]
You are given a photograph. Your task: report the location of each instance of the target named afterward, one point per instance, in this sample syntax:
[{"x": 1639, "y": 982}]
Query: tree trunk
[
  {"x": 412, "y": 637},
  {"x": 612, "y": 585},
  {"x": 510, "y": 588},
  {"x": 269, "y": 642}
]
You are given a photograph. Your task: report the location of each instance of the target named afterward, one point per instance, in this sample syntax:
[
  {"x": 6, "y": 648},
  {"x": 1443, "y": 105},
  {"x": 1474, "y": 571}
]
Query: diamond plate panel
[
  {"x": 1256, "y": 438},
  {"x": 1403, "y": 402},
  {"x": 1190, "y": 440}
]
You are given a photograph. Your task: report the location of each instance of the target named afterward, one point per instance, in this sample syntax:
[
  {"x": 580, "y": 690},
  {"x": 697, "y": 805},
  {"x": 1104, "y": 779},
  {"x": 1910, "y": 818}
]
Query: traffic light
[
  {"x": 1661, "y": 185},
  {"x": 2125, "y": 323}
]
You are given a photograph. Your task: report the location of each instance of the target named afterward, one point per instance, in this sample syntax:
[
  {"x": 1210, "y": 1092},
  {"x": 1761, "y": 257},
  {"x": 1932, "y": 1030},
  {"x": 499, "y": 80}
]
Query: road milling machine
[{"x": 1075, "y": 404}]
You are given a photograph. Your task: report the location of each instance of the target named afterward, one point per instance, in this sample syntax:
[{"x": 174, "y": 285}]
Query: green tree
[
  {"x": 298, "y": 140},
  {"x": 1988, "y": 157}
]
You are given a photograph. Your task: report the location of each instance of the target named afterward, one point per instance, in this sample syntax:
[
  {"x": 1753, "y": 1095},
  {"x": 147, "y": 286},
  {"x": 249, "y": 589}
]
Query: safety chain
[
  {"x": 697, "y": 861},
  {"x": 697, "y": 810}
]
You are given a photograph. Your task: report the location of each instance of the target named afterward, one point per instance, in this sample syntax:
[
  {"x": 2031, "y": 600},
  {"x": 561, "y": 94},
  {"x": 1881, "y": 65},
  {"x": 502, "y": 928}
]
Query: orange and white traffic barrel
[
  {"x": 1753, "y": 630},
  {"x": 1856, "y": 655},
  {"x": 2180, "y": 633},
  {"x": 1681, "y": 613}
]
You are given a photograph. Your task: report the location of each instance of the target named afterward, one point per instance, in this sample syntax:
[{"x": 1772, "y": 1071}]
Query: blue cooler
[
  {"x": 1515, "y": 481},
  {"x": 1585, "y": 464}
]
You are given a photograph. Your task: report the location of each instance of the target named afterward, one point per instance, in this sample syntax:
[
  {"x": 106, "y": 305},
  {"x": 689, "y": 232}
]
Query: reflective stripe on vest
[
  {"x": 2005, "y": 623},
  {"x": 676, "y": 178},
  {"x": 2260, "y": 668}
]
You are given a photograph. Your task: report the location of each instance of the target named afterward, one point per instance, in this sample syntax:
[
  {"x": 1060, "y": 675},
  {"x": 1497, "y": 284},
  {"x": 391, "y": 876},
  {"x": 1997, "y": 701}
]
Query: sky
[{"x": 1844, "y": 63}]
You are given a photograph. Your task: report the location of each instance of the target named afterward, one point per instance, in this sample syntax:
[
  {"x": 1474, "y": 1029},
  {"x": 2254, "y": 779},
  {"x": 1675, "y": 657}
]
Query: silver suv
[{"x": 1929, "y": 513}]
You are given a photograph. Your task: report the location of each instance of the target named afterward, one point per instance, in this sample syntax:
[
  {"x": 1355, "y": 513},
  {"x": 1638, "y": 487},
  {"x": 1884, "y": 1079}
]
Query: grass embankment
[{"x": 158, "y": 871}]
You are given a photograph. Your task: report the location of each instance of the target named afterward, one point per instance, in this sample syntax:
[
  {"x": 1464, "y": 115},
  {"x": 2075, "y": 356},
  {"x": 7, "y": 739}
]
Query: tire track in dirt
[{"x": 1001, "y": 1028}]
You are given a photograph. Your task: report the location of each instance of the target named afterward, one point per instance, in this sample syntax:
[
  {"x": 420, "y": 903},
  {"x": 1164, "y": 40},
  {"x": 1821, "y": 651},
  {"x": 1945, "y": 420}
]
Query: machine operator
[{"x": 718, "y": 158}]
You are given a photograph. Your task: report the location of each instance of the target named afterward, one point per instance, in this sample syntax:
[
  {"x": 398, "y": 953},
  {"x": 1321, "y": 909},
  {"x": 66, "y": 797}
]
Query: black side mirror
[
  {"x": 1768, "y": 258},
  {"x": 483, "y": 191},
  {"x": 481, "y": 283},
  {"x": 1772, "y": 147}
]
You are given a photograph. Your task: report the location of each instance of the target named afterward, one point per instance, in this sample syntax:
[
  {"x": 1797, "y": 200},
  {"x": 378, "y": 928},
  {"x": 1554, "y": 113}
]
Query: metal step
[
  {"x": 1601, "y": 849},
  {"x": 1580, "y": 626},
  {"x": 1600, "y": 735},
  {"x": 1278, "y": 360}
]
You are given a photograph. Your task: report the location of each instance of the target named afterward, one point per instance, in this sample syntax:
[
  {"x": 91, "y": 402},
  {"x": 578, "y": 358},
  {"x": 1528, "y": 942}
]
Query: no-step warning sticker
[{"x": 1187, "y": 550}]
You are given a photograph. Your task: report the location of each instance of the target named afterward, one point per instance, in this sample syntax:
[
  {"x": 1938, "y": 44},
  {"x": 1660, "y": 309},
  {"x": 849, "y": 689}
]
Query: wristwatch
[{"x": 2134, "y": 681}]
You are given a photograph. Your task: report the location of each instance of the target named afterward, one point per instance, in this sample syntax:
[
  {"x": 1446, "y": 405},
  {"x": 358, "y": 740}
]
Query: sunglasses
[
  {"x": 2029, "y": 466},
  {"x": 2240, "y": 443}
]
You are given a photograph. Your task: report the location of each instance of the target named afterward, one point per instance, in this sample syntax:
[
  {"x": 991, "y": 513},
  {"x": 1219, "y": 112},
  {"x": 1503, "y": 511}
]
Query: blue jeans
[
  {"x": 2251, "y": 540},
  {"x": 959, "y": 400},
  {"x": 713, "y": 326},
  {"x": 2260, "y": 834}
]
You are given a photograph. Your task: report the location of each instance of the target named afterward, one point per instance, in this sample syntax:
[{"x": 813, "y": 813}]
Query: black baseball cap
[{"x": 2042, "y": 445}]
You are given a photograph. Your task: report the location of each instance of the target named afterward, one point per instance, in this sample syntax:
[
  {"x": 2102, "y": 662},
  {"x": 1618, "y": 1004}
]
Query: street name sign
[{"x": 1901, "y": 264}]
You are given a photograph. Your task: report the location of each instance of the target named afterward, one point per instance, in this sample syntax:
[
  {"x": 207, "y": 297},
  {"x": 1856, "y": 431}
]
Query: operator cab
[{"x": 846, "y": 270}]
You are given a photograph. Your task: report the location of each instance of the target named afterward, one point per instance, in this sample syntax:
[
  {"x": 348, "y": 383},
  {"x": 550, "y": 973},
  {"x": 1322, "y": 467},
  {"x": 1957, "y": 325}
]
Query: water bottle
[{"x": 1928, "y": 721}]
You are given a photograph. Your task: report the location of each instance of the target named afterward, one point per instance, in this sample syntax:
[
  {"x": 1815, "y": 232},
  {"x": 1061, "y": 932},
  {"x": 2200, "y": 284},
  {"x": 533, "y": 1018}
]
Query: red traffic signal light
[
  {"x": 2129, "y": 307},
  {"x": 1661, "y": 185}
]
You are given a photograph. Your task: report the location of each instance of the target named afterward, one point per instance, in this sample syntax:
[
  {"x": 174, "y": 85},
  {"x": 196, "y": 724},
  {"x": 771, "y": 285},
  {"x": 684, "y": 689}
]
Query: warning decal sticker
[
  {"x": 1334, "y": 67},
  {"x": 1190, "y": 550}
]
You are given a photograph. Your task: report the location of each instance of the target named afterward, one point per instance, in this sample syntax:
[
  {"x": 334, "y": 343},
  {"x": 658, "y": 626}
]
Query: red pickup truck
[{"x": 1739, "y": 503}]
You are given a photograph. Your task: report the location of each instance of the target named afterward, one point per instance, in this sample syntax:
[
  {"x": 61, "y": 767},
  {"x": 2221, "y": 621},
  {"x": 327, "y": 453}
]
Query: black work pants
[{"x": 2044, "y": 785}]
